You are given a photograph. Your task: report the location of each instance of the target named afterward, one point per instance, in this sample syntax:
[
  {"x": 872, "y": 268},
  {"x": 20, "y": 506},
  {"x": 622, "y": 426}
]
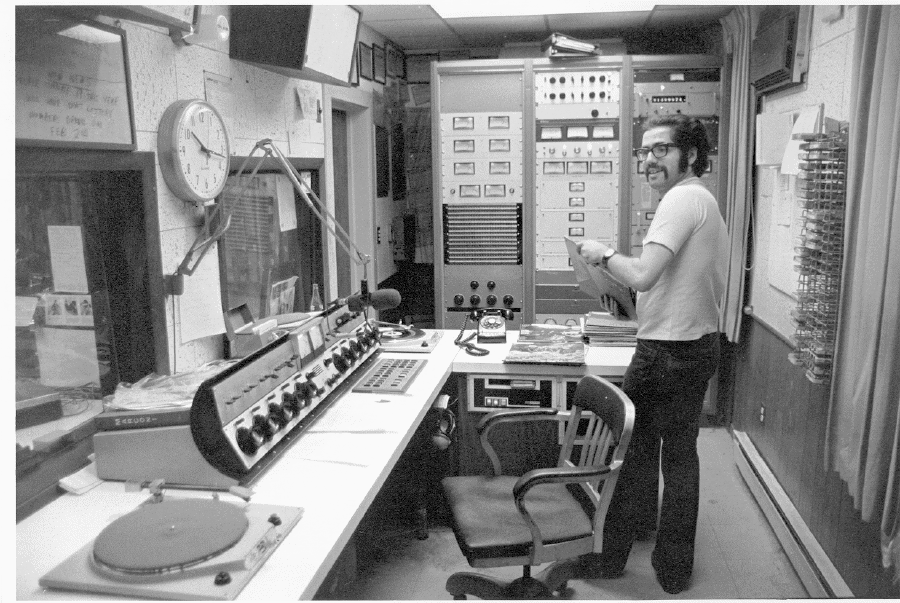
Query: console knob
[
  {"x": 248, "y": 441},
  {"x": 340, "y": 363},
  {"x": 508, "y": 300},
  {"x": 355, "y": 347},
  {"x": 264, "y": 426},
  {"x": 291, "y": 403},
  {"x": 458, "y": 299},
  {"x": 491, "y": 299},
  {"x": 363, "y": 341},
  {"x": 279, "y": 414},
  {"x": 474, "y": 284},
  {"x": 306, "y": 392},
  {"x": 350, "y": 355},
  {"x": 491, "y": 285},
  {"x": 475, "y": 300}
]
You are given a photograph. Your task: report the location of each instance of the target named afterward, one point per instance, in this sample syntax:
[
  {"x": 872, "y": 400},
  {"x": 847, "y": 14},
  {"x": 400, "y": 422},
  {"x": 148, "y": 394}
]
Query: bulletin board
[{"x": 72, "y": 84}]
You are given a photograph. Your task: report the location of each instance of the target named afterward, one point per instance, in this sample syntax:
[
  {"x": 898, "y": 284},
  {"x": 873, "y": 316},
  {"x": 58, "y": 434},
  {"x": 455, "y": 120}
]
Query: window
[{"x": 84, "y": 308}]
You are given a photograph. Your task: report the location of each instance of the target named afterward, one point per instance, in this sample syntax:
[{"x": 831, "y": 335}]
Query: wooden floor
[{"x": 738, "y": 556}]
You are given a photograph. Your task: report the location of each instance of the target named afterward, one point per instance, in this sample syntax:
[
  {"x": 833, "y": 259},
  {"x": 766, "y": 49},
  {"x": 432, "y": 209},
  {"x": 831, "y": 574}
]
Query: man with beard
[{"x": 680, "y": 278}]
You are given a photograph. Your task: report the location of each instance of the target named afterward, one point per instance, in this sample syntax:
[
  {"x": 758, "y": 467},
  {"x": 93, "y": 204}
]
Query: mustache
[{"x": 661, "y": 168}]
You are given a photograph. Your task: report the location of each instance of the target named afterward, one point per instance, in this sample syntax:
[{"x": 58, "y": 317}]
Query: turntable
[
  {"x": 197, "y": 549},
  {"x": 400, "y": 338}
]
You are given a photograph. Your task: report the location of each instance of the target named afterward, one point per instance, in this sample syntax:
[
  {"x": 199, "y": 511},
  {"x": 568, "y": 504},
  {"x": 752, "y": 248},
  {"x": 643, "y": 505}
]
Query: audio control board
[{"x": 243, "y": 417}]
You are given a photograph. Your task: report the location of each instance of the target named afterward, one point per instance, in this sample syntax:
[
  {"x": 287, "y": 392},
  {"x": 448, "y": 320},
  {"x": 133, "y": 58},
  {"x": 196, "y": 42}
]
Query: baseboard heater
[{"x": 819, "y": 576}]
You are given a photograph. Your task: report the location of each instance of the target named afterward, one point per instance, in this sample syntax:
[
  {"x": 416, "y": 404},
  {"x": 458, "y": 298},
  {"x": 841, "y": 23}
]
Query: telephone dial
[{"x": 491, "y": 324}]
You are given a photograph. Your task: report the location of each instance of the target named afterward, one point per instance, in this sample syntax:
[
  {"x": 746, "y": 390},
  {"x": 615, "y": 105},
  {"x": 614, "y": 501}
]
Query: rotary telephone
[{"x": 492, "y": 324}]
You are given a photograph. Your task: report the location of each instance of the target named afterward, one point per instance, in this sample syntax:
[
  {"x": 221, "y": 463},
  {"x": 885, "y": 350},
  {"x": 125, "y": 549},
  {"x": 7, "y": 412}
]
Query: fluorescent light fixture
[
  {"x": 460, "y": 10},
  {"x": 91, "y": 35}
]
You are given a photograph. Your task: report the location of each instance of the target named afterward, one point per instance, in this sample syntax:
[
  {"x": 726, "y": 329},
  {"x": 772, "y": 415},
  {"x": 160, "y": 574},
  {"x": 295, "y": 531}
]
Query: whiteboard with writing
[{"x": 72, "y": 85}]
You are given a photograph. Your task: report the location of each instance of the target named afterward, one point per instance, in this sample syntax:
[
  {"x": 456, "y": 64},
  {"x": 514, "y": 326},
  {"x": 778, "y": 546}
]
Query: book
[{"x": 112, "y": 420}]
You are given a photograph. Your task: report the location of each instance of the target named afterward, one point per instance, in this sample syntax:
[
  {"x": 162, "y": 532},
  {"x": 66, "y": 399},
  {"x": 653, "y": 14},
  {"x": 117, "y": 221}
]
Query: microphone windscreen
[{"x": 382, "y": 299}]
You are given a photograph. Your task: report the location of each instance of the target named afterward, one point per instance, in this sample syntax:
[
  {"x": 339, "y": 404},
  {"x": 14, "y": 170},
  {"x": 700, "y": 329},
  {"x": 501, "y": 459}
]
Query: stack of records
[{"x": 600, "y": 328}]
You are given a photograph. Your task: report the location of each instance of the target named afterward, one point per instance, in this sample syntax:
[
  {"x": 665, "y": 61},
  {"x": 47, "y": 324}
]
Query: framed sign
[
  {"x": 364, "y": 61},
  {"x": 396, "y": 62},
  {"x": 379, "y": 64},
  {"x": 72, "y": 84}
]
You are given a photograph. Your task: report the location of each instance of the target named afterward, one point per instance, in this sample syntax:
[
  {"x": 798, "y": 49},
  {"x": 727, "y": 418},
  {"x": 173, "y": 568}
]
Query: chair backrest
[{"x": 597, "y": 434}]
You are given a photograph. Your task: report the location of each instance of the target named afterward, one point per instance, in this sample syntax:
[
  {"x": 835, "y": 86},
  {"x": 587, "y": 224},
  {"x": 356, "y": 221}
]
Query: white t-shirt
[{"x": 684, "y": 303}]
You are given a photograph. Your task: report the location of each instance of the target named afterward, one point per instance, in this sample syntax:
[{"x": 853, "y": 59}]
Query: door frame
[{"x": 357, "y": 105}]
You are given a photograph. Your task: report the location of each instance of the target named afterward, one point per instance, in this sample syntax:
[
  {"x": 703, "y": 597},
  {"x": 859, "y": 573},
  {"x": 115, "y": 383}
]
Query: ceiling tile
[
  {"x": 563, "y": 23},
  {"x": 498, "y": 24},
  {"x": 414, "y": 28},
  {"x": 395, "y": 12}
]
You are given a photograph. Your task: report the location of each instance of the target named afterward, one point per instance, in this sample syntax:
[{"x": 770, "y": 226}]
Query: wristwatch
[{"x": 606, "y": 255}]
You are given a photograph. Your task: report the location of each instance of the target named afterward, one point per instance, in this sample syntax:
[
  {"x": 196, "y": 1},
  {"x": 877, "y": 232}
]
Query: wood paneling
[{"x": 792, "y": 441}]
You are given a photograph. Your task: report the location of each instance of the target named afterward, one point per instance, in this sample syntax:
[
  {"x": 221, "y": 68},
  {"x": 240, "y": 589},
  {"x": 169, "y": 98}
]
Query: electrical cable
[{"x": 470, "y": 348}]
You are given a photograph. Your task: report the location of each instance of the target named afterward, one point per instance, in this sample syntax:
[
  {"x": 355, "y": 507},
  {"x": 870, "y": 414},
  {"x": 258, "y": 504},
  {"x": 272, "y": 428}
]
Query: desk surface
[
  {"x": 605, "y": 361},
  {"x": 333, "y": 472}
]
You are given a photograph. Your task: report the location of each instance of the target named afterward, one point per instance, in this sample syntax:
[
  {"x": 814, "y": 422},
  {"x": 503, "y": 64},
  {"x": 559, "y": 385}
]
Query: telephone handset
[{"x": 492, "y": 324}]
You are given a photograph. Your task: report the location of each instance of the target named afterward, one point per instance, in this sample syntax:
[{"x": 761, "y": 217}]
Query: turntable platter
[
  {"x": 408, "y": 339},
  {"x": 392, "y": 334},
  {"x": 172, "y": 535}
]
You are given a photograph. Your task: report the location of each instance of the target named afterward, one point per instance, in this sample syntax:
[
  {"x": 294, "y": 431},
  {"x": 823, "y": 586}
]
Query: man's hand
[{"x": 592, "y": 251}]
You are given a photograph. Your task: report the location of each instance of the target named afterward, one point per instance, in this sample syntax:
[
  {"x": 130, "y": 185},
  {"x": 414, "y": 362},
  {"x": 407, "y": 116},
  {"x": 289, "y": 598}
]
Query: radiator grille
[{"x": 483, "y": 234}]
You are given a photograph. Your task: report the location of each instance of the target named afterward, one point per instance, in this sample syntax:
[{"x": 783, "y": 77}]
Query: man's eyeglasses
[{"x": 659, "y": 150}]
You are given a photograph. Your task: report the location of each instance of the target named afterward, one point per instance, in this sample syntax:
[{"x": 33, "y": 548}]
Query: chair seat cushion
[{"x": 487, "y": 523}]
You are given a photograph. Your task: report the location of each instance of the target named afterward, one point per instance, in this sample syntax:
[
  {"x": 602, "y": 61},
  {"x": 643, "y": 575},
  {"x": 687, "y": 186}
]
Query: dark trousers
[{"x": 666, "y": 381}]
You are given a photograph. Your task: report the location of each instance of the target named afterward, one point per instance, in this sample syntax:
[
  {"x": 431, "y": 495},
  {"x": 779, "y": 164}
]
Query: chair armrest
[
  {"x": 493, "y": 419},
  {"x": 556, "y": 475},
  {"x": 507, "y": 416},
  {"x": 559, "y": 475}
]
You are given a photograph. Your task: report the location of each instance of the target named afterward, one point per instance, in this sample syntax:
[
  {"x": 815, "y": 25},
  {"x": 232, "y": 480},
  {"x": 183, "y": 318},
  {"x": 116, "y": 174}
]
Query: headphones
[{"x": 446, "y": 425}]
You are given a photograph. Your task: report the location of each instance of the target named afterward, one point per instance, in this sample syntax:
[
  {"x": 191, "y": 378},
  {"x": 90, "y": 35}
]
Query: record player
[
  {"x": 401, "y": 338},
  {"x": 181, "y": 549}
]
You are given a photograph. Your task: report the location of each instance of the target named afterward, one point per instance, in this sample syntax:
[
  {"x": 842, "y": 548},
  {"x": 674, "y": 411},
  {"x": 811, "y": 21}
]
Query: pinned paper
[
  {"x": 808, "y": 122},
  {"x": 200, "y": 306},
  {"x": 25, "y": 307},
  {"x": 67, "y": 259}
]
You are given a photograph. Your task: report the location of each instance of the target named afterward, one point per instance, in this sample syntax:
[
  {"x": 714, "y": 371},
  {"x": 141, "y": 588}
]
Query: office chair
[{"x": 547, "y": 515}]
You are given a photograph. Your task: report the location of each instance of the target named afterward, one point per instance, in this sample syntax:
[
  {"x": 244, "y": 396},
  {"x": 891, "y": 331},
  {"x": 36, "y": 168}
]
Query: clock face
[{"x": 194, "y": 150}]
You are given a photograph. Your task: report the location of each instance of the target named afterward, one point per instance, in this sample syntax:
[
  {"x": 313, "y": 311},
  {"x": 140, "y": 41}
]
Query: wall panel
[{"x": 791, "y": 439}]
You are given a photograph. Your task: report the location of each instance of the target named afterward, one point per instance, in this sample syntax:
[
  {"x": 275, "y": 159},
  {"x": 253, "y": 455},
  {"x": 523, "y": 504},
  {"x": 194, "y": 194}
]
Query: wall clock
[{"x": 194, "y": 152}]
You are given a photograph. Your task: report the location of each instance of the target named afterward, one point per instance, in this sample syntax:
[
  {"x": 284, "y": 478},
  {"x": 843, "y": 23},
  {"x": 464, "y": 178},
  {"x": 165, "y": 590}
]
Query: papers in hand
[{"x": 597, "y": 282}]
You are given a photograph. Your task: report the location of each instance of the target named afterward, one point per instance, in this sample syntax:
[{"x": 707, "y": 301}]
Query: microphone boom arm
[{"x": 306, "y": 193}]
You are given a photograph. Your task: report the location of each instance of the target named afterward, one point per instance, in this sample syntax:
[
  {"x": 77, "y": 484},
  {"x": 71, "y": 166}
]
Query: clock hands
[{"x": 204, "y": 148}]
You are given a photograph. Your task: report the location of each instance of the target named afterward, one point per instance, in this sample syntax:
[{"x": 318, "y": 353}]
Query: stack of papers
[{"x": 600, "y": 328}]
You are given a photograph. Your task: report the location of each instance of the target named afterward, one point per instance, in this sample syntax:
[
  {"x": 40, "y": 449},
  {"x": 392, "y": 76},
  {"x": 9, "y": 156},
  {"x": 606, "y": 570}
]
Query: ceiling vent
[{"x": 779, "y": 54}]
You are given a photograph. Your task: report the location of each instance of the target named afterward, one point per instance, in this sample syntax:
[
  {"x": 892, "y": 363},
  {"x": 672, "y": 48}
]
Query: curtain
[
  {"x": 737, "y": 30},
  {"x": 863, "y": 423}
]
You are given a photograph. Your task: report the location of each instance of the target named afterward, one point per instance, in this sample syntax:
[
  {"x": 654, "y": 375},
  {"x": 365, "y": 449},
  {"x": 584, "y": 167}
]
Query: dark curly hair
[{"x": 687, "y": 132}]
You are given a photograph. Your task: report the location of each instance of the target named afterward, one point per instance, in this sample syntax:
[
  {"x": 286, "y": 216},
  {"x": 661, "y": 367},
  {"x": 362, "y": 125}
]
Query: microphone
[{"x": 382, "y": 299}]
